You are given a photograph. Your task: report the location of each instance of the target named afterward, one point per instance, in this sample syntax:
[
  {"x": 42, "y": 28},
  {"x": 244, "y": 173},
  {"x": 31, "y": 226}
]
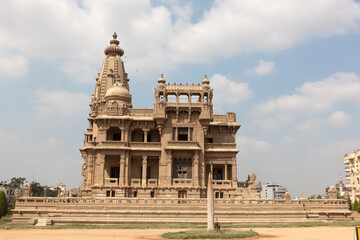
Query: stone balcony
[
  {"x": 136, "y": 182},
  {"x": 183, "y": 145},
  {"x": 112, "y": 144},
  {"x": 221, "y": 183},
  {"x": 145, "y": 146},
  {"x": 182, "y": 182},
  {"x": 111, "y": 181},
  {"x": 152, "y": 182},
  {"x": 221, "y": 147}
]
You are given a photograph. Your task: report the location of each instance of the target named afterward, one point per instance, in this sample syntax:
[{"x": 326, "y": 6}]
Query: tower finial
[
  {"x": 161, "y": 79},
  {"x": 205, "y": 81},
  {"x": 114, "y": 35}
]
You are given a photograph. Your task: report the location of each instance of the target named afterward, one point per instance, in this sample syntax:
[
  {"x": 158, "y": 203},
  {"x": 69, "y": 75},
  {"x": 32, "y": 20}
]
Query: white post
[{"x": 210, "y": 204}]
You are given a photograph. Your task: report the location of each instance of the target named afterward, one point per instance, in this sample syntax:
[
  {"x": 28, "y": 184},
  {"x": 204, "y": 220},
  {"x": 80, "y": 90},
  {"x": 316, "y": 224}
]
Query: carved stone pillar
[
  {"x": 122, "y": 170},
  {"x": 212, "y": 170},
  {"x": 234, "y": 172},
  {"x": 195, "y": 169},
  {"x": 99, "y": 169},
  {"x": 146, "y": 131},
  {"x": 122, "y": 134},
  {"x": 144, "y": 168},
  {"x": 226, "y": 171},
  {"x": 90, "y": 179},
  {"x": 126, "y": 138}
]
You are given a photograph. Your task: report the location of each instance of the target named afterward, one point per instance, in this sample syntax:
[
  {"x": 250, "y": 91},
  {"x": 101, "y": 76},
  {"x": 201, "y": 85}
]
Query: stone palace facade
[{"x": 167, "y": 151}]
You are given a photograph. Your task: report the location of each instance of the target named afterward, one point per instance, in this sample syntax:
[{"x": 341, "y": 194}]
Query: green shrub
[{"x": 3, "y": 204}]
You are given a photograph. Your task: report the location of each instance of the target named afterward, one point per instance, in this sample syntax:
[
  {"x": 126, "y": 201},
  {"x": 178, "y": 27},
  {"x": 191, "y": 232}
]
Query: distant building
[
  {"x": 352, "y": 169},
  {"x": 9, "y": 192},
  {"x": 340, "y": 188},
  {"x": 272, "y": 191}
]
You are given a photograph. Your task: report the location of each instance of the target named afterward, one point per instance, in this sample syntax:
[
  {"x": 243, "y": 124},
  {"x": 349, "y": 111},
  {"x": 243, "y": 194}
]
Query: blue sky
[{"x": 289, "y": 69}]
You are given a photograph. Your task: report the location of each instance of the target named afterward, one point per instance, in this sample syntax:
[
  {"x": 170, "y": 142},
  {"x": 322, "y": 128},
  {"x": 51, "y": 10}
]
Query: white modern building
[{"x": 272, "y": 191}]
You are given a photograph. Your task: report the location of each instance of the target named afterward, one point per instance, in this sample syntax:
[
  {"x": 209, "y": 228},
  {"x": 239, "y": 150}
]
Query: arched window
[
  {"x": 137, "y": 135},
  {"x": 113, "y": 134},
  {"x": 153, "y": 136}
]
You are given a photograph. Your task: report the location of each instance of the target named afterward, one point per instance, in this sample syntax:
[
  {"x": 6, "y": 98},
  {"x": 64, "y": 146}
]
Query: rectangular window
[
  {"x": 183, "y": 134},
  {"x": 209, "y": 140},
  {"x": 135, "y": 193},
  {"x": 114, "y": 172},
  {"x": 107, "y": 193},
  {"x": 112, "y": 193},
  {"x": 152, "y": 194}
]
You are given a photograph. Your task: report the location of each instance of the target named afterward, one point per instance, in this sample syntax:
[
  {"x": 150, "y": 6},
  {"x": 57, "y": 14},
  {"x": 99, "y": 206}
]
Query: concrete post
[
  {"x": 144, "y": 168},
  {"x": 210, "y": 204}
]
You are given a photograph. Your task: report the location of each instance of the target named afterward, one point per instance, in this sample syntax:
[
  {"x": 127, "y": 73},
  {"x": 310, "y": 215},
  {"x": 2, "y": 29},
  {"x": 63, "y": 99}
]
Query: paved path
[{"x": 309, "y": 233}]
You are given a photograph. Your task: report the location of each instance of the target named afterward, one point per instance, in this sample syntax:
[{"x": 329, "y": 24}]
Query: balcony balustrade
[
  {"x": 112, "y": 144},
  {"x": 189, "y": 145},
  {"x": 111, "y": 181},
  {"x": 145, "y": 145},
  {"x": 182, "y": 182},
  {"x": 152, "y": 182},
  {"x": 135, "y": 182},
  {"x": 221, "y": 183}
]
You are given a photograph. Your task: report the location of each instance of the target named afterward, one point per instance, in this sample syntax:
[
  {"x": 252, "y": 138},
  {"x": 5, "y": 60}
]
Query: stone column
[
  {"x": 122, "y": 134},
  {"x": 169, "y": 168},
  {"x": 210, "y": 204},
  {"x": 90, "y": 179},
  {"x": 99, "y": 169},
  {"x": 234, "y": 172},
  {"x": 122, "y": 170},
  {"x": 226, "y": 171},
  {"x": 146, "y": 131},
  {"x": 126, "y": 138},
  {"x": 144, "y": 168},
  {"x": 211, "y": 169},
  {"x": 195, "y": 169}
]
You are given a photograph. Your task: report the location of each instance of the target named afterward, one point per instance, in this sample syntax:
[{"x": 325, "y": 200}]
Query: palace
[
  {"x": 152, "y": 165},
  {"x": 166, "y": 151}
]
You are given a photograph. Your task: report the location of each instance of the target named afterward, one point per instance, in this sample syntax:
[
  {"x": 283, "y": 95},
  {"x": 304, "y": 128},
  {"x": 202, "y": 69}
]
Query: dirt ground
[{"x": 310, "y": 233}]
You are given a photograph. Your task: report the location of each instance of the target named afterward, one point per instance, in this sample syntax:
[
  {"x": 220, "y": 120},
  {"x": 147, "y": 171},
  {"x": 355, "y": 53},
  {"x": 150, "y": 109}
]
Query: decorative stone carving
[
  {"x": 332, "y": 192},
  {"x": 287, "y": 197},
  {"x": 27, "y": 190},
  {"x": 17, "y": 193}
]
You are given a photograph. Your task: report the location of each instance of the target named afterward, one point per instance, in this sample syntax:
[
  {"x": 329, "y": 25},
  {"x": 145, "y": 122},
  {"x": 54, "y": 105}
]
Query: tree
[
  {"x": 37, "y": 189},
  {"x": 355, "y": 206},
  {"x": 319, "y": 196},
  {"x": 3, "y": 204},
  {"x": 17, "y": 182}
]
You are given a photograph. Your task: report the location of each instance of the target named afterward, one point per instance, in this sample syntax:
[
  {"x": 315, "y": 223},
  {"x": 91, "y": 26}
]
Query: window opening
[
  {"x": 183, "y": 99},
  {"x": 183, "y": 134},
  {"x": 114, "y": 172},
  {"x": 152, "y": 194},
  {"x": 209, "y": 140},
  {"x": 112, "y": 193}
]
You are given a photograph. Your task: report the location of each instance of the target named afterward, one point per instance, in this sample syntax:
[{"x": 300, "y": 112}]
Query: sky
[{"x": 290, "y": 69}]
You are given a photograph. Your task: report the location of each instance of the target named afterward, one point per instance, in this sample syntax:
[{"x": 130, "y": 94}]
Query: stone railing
[
  {"x": 214, "y": 146},
  {"x": 112, "y": 144},
  {"x": 111, "y": 181},
  {"x": 220, "y": 118},
  {"x": 155, "y": 145},
  {"x": 183, "y": 144},
  {"x": 183, "y": 87},
  {"x": 152, "y": 182},
  {"x": 182, "y": 182},
  {"x": 221, "y": 183},
  {"x": 141, "y": 112},
  {"x": 201, "y": 201},
  {"x": 135, "y": 182}
]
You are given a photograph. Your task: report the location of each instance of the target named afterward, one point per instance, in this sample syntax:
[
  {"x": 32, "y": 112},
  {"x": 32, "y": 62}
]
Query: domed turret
[
  {"x": 117, "y": 91},
  {"x": 205, "y": 81}
]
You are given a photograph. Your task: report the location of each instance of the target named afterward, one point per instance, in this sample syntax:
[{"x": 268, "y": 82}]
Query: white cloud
[
  {"x": 227, "y": 91},
  {"x": 60, "y": 103},
  {"x": 65, "y": 31},
  {"x": 248, "y": 144},
  {"x": 315, "y": 96},
  {"x": 310, "y": 126},
  {"x": 13, "y": 65},
  {"x": 264, "y": 68},
  {"x": 231, "y": 27},
  {"x": 52, "y": 141},
  {"x": 339, "y": 119}
]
